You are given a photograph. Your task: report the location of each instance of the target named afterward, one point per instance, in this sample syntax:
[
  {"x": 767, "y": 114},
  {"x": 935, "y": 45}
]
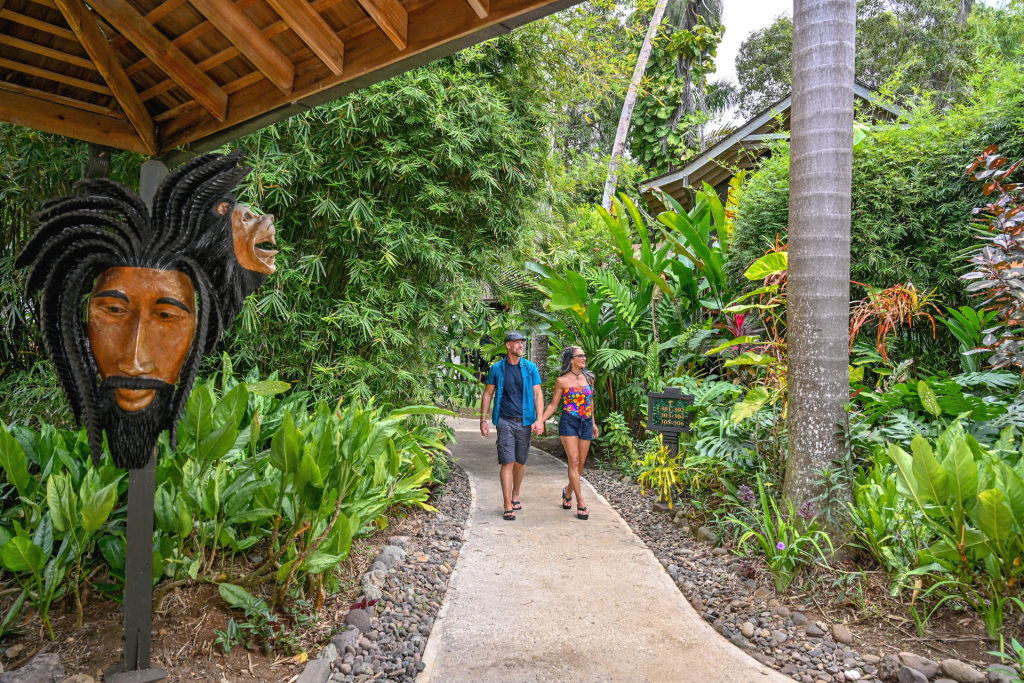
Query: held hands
[
  {"x": 537, "y": 428},
  {"x": 485, "y": 430}
]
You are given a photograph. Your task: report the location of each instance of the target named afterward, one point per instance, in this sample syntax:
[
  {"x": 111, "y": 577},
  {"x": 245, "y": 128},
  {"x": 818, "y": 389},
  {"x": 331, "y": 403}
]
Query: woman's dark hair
[{"x": 567, "y": 353}]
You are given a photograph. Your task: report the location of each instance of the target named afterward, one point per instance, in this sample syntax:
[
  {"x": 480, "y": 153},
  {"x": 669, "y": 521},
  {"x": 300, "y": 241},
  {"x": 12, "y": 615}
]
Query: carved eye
[
  {"x": 114, "y": 309},
  {"x": 164, "y": 315}
]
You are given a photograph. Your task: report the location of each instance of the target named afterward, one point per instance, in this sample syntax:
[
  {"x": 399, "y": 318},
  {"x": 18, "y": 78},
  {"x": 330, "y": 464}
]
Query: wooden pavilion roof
[{"x": 152, "y": 76}]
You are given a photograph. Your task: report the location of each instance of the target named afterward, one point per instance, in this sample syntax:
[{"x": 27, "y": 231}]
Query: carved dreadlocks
[{"x": 105, "y": 226}]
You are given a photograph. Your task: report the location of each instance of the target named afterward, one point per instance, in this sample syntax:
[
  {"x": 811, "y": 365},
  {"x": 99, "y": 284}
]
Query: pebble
[
  {"x": 929, "y": 668},
  {"x": 409, "y": 578},
  {"x": 908, "y": 675},
  {"x": 961, "y": 672},
  {"x": 842, "y": 634}
]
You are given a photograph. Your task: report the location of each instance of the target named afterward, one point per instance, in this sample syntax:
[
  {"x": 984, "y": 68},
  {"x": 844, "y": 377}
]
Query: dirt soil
[
  {"x": 882, "y": 624},
  {"x": 183, "y": 640}
]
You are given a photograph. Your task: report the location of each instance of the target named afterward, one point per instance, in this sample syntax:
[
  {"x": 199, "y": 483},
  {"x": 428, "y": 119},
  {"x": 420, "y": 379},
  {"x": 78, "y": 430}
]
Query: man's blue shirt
[{"x": 531, "y": 378}]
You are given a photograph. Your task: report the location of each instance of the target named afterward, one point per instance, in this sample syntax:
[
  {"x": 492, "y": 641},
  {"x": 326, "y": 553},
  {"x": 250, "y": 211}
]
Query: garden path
[{"x": 551, "y": 599}]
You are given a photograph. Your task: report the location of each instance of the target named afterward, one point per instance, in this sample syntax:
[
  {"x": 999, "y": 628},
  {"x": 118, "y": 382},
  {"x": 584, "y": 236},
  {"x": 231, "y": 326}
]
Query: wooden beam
[
  {"x": 481, "y": 7},
  {"x": 390, "y": 16},
  {"x": 60, "y": 99},
  {"x": 153, "y": 17},
  {"x": 22, "y": 110},
  {"x": 314, "y": 31},
  {"x": 84, "y": 25},
  {"x": 244, "y": 35},
  {"x": 35, "y": 23},
  {"x": 46, "y": 52},
  {"x": 54, "y": 76},
  {"x": 127, "y": 20}
]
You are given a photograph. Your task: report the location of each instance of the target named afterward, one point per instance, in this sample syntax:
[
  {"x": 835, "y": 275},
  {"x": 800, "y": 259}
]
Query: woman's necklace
[{"x": 577, "y": 376}]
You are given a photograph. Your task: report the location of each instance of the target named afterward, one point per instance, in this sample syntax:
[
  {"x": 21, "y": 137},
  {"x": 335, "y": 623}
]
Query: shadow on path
[{"x": 552, "y": 599}]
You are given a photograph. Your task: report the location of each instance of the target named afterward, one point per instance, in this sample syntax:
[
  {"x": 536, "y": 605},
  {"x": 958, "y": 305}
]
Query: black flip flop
[
  {"x": 509, "y": 516},
  {"x": 517, "y": 505},
  {"x": 582, "y": 513},
  {"x": 566, "y": 502}
]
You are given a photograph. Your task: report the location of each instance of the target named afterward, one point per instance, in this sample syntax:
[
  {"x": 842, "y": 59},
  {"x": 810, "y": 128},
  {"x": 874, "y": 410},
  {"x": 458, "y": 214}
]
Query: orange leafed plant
[{"x": 890, "y": 308}]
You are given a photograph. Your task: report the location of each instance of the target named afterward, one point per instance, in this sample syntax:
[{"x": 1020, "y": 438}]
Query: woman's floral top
[{"x": 577, "y": 402}]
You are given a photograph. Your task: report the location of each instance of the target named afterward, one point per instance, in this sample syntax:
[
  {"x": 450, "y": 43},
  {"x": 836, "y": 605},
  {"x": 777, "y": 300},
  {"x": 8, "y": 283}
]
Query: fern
[
  {"x": 995, "y": 380},
  {"x": 611, "y": 359}
]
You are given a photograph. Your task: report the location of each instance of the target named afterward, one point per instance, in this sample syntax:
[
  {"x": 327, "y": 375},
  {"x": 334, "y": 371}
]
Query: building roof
[
  {"x": 151, "y": 76},
  {"x": 742, "y": 149}
]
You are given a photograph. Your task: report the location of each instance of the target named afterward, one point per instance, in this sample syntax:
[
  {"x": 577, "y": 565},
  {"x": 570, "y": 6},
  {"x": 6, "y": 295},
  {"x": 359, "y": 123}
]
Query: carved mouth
[
  {"x": 263, "y": 240},
  {"x": 132, "y": 400}
]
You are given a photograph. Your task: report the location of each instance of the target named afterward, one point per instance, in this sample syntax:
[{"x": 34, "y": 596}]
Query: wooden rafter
[
  {"x": 36, "y": 24},
  {"x": 51, "y": 117},
  {"x": 60, "y": 99},
  {"x": 390, "y": 16},
  {"x": 314, "y": 31},
  {"x": 54, "y": 76},
  {"x": 84, "y": 25},
  {"x": 127, "y": 20},
  {"x": 46, "y": 52},
  {"x": 248, "y": 39},
  {"x": 153, "y": 17},
  {"x": 481, "y": 7}
]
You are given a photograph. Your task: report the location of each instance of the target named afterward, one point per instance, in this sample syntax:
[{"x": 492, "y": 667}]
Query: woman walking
[{"x": 577, "y": 426}]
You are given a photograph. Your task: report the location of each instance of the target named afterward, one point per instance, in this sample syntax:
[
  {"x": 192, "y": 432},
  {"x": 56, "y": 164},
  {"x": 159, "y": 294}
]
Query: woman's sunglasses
[{"x": 580, "y": 355}]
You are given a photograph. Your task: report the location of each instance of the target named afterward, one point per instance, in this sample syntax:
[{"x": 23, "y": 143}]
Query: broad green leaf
[
  {"x": 231, "y": 408},
  {"x": 268, "y": 388},
  {"x": 62, "y": 501},
  {"x": 96, "y": 510},
  {"x": 219, "y": 442},
  {"x": 994, "y": 516},
  {"x": 235, "y": 596},
  {"x": 282, "y": 571},
  {"x": 906, "y": 483},
  {"x": 751, "y": 403},
  {"x": 962, "y": 471},
  {"x": 193, "y": 569},
  {"x": 750, "y": 358},
  {"x": 257, "y": 515},
  {"x": 14, "y": 462},
  {"x": 734, "y": 342},
  {"x": 768, "y": 265},
  {"x": 113, "y": 550},
  {"x": 21, "y": 555},
  {"x": 931, "y": 478},
  {"x": 198, "y": 419},
  {"x": 166, "y": 510},
  {"x": 185, "y": 523},
  {"x": 43, "y": 536},
  {"x": 308, "y": 472},
  {"x": 856, "y": 374},
  {"x": 320, "y": 562},
  {"x": 286, "y": 446},
  {"x": 1014, "y": 490},
  {"x": 928, "y": 399},
  {"x": 419, "y": 410}
]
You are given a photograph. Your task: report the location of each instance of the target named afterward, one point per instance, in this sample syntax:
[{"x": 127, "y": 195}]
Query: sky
[{"x": 741, "y": 18}]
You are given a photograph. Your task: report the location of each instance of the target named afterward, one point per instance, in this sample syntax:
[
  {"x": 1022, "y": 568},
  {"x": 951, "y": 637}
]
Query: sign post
[{"x": 669, "y": 413}]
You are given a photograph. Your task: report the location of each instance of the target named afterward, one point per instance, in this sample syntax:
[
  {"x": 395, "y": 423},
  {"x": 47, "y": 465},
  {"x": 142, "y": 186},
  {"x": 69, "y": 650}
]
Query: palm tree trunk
[
  {"x": 619, "y": 147},
  {"x": 821, "y": 172}
]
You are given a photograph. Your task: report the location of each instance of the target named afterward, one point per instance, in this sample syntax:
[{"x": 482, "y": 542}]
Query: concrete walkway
[{"x": 551, "y": 599}]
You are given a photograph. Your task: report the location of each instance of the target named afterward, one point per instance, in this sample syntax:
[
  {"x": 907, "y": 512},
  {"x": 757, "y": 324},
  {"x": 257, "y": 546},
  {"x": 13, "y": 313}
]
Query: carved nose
[{"x": 136, "y": 360}]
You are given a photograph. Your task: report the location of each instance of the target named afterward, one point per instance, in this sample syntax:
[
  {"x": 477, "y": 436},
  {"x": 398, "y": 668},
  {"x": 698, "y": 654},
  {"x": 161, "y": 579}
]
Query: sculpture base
[{"x": 117, "y": 674}]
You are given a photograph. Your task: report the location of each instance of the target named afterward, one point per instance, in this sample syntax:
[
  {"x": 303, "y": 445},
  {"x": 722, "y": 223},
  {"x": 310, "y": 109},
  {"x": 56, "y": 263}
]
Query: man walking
[{"x": 514, "y": 384}]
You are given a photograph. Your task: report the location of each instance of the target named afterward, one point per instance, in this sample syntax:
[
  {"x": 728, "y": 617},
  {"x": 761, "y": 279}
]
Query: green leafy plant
[
  {"x": 656, "y": 470},
  {"x": 788, "y": 542},
  {"x": 968, "y": 326}
]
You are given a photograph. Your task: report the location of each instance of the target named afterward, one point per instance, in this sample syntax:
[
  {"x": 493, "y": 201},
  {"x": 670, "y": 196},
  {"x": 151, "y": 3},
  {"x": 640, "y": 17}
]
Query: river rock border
[
  {"x": 408, "y": 579},
  {"x": 724, "y": 590}
]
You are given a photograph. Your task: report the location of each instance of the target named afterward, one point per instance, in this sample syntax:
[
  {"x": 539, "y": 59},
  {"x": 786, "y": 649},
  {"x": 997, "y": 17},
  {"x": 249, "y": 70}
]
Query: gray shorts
[{"x": 513, "y": 442}]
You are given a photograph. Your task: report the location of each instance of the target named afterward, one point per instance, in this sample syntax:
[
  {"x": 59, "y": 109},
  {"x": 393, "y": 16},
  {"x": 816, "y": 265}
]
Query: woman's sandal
[
  {"x": 566, "y": 502},
  {"x": 517, "y": 505},
  {"x": 582, "y": 513},
  {"x": 509, "y": 515}
]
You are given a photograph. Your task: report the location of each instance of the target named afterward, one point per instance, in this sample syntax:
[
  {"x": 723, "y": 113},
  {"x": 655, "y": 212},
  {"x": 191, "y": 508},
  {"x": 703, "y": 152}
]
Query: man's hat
[{"x": 514, "y": 336}]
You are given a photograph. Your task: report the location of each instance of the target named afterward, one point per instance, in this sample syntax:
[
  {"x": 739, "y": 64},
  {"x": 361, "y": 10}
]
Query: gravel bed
[
  {"x": 408, "y": 579},
  {"x": 725, "y": 591}
]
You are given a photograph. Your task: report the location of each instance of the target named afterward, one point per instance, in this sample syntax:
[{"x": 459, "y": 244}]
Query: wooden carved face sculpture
[
  {"x": 247, "y": 231},
  {"x": 164, "y": 280},
  {"x": 142, "y": 323}
]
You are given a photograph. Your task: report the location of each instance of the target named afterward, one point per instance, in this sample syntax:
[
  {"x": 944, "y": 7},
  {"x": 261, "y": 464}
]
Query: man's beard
[{"x": 132, "y": 435}]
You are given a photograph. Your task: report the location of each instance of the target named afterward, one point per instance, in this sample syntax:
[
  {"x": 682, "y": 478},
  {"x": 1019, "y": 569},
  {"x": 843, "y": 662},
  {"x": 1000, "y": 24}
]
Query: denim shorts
[
  {"x": 513, "y": 442},
  {"x": 570, "y": 425}
]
